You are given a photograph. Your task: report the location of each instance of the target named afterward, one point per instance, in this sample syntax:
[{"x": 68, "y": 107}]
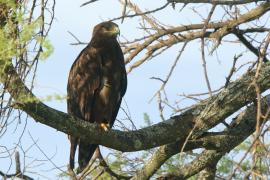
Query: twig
[
  {"x": 107, "y": 169},
  {"x": 242, "y": 38},
  {"x": 202, "y": 50},
  {"x": 160, "y": 107},
  {"x": 171, "y": 70},
  {"x": 140, "y": 13},
  {"x": 49, "y": 159},
  {"x": 218, "y": 2},
  {"x": 18, "y": 173},
  {"x": 77, "y": 39},
  {"x": 232, "y": 70},
  {"x": 124, "y": 11},
  {"x": 88, "y": 2}
]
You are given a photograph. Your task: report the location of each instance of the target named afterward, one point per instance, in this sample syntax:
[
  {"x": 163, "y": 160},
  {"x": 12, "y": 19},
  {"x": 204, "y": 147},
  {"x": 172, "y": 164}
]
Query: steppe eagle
[{"x": 96, "y": 84}]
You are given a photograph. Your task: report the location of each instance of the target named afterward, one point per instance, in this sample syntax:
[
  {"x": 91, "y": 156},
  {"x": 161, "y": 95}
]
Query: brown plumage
[{"x": 96, "y": 84}]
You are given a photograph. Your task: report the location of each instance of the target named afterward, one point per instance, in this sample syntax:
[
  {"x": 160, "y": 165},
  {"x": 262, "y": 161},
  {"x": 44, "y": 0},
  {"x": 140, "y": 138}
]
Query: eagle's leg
[{"x": 105, "y": 126}]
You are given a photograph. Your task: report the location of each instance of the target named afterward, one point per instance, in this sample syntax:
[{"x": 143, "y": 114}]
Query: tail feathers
[
  {"x": 86, "y": 152},
  {"x": 73, "y": 146}
]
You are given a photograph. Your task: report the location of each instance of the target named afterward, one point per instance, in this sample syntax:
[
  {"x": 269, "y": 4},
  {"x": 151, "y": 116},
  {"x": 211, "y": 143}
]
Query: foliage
[
  {"x": 21, "y": 37},
  {"x": 23, "y": 41}
]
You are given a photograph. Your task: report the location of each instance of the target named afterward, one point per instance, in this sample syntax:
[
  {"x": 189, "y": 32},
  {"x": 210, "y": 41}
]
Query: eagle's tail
[
  {"x": 86, "y": 152},
  {"x": 73, "y": 146}
]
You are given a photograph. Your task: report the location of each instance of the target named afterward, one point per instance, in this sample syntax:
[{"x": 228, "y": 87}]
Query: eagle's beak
[{"x": 116, "y": 30}]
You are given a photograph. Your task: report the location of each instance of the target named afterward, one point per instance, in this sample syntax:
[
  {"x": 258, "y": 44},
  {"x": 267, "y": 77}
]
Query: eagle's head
[{"x": 106, "y": 29}]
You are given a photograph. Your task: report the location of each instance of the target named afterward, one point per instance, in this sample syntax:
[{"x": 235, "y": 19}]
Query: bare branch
[
  {"x": 202, "y": 50},
  {"x": 88, "y": 2},
  {"x": 242, "y": 38},
  {"x": 217, "y": 2},
  {"x": 124, "y": 15},
  {"x": 232, "y": 70},
  {"x": 19, "y": 173},
  {"x": 221, "y": 29}
]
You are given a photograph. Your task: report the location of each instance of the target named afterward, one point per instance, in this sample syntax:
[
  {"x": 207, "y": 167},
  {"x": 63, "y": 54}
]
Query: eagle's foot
[{"x": 105, "y": 126}]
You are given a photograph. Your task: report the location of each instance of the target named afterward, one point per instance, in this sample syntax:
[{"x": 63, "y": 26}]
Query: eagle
[{"x": 96, "y": 85}]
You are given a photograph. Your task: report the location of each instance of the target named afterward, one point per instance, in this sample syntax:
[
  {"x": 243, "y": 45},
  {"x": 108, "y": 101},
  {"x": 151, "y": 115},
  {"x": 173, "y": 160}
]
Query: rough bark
[{"x": 206, "y": 159}]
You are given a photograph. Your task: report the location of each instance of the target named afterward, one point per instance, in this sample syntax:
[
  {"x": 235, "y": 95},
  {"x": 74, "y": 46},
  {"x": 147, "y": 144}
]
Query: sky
[{"x": 52, "y": 77}]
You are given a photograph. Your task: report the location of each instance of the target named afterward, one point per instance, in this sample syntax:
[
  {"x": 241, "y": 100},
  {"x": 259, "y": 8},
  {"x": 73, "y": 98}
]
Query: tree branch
[
  {"x": 205, "y": 115},
  {"x": 220, "y": 30},
  {"x": 207, "y": 158},
  {"x": 217, "y": 2},
  {"x": 240, "y": 129},
  {"x": 254, "y": 50},
  {"x": 209, "y": 172}
]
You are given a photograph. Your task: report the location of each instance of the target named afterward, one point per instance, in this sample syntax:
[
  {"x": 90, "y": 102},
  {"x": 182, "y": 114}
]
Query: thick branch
[
  {"x": 207, "y": 158},
  {"x": 205, "y": 115},
  {"x": 209, "y": 173}
]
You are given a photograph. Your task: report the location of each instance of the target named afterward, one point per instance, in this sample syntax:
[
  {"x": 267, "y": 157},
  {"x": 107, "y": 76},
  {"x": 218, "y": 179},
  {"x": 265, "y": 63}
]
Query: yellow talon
[{"x": 105, "y": 126}]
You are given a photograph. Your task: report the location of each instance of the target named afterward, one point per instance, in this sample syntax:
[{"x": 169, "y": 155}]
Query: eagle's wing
[
  {"x": 123, "y": 82},
  {"x": 116, "y": 109},
  {"x": 83, "y": 83}
]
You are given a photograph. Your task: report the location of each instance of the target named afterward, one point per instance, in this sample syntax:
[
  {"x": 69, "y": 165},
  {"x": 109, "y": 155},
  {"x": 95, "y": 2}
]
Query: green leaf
[{"x": 47, "y": 49}]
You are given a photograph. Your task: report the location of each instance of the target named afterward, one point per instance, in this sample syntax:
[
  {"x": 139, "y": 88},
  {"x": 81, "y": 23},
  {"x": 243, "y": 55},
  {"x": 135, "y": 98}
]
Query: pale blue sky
[{"x": 52, "y": 73}]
